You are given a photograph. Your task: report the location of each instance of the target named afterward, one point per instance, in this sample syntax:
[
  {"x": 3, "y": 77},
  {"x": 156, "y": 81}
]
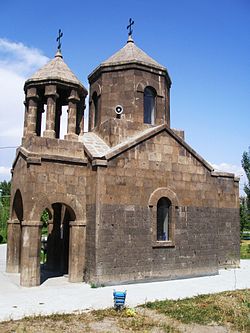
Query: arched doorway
[
  {"x": 57, "y": 246},
  {"x": 14, "y": 235},
  {"x": 17, "y": 207}
]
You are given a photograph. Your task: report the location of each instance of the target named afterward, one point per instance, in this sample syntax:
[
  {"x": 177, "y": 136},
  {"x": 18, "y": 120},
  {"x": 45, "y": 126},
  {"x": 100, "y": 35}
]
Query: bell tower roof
[{"x": 55, "y": 70}]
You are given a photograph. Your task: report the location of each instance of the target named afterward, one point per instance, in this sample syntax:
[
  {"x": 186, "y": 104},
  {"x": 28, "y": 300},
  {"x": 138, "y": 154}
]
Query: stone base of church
[
  {"x": 206, "y": 239},
  {"x": 110, "y": 280}
]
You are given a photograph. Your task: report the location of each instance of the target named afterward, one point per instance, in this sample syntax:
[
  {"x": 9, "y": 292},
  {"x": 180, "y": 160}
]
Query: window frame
[
  {"x": 152, "y": 110},
  {"x": 163, "y": 219},
  {"x": 173, "y": 216}
]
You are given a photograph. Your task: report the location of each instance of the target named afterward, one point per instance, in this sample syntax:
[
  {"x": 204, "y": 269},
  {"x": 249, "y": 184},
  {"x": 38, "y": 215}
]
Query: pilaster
[
  {"x": 77, "y": 251},
  {"x": 13, "y": 246},
  {"x": 30, "y": 254}
]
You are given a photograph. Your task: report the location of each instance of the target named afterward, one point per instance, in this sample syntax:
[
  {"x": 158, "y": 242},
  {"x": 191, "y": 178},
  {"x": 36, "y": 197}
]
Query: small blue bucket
[{"x": 119, "y": 299}]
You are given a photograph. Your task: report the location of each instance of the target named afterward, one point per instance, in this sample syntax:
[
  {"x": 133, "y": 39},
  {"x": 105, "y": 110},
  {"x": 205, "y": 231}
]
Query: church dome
[
  {"x": 55, "y": 70},
  {"x": 131, "y": 53},
  {"x": 129, "y": 56}
]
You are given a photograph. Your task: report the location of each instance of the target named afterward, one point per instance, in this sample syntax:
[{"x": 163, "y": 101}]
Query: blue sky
[{"x": 205, "y": 46}]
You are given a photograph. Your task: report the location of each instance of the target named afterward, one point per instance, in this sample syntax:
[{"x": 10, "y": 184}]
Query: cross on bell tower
[
  {"x": 60, "y": 34},
  {"x": 129, "y": 27}
]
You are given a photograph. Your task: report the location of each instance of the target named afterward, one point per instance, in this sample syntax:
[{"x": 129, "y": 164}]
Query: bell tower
[
  {"x": 46, "y": 92},
  {"x": 48, "y": 175},
  {"x": 129, "y": 92}
]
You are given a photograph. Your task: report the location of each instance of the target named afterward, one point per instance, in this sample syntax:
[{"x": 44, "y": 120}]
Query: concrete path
[{"x": 57, "y": 295}]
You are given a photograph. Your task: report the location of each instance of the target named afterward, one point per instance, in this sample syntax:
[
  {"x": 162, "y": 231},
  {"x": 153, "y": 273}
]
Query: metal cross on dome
[
  {"x": 131, "y": 22},
  {"x": 60, "y": 34}
]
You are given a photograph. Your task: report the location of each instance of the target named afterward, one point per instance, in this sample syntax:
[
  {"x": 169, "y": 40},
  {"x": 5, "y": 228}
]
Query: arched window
[
  {"x": 96, "y": 108},
  {"x": 149, "y": 105},
  {"x": 163, "y": 219}
]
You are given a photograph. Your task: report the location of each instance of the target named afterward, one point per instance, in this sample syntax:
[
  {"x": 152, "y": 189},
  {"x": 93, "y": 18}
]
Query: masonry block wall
[
  {"x": 44, "y": 177},
  {"x": 203, "y": 236}
]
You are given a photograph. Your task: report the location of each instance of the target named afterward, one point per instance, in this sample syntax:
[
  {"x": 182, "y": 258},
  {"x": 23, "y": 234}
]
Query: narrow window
[
  {"x": 163, "y": 219},
  {"x": 39, "y": 118},
  {"x": 96, "y": 107},
  {"x": 149, "y": 105}
]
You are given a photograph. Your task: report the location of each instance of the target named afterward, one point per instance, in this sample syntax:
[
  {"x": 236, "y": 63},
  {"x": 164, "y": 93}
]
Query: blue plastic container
[{"x": 119, "y": 299}]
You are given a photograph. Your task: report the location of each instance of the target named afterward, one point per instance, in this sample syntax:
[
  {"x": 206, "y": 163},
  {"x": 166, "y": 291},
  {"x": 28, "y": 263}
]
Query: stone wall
[
  {"x": 126, "y": 251},
  {"x": 125, "y": 86},
  {"x": 42, "y": 180},
  {"x": 117, "y": 206},
  {"x": 205, "y": 208}
]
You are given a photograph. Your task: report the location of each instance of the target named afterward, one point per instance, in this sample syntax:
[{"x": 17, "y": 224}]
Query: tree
[
  {"x": 4, "y": 209},
  {"x": 245, "y": 201},
  {"x": 244, "y": 216},
  {"x": 245, "y": 162}
]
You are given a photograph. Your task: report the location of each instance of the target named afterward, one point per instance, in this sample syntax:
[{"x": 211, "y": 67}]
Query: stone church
[{"x": 128, "y": 200}]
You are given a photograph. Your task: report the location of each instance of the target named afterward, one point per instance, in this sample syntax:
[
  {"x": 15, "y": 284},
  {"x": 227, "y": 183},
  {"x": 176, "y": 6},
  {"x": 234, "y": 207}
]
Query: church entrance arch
[{"x": 57, "y": 241}]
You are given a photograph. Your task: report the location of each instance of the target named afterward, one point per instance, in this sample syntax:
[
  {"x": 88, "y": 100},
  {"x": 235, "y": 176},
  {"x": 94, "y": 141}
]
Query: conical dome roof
[
  {"x": 55, "y": 69},
  {"x": 131, "y": 53}
]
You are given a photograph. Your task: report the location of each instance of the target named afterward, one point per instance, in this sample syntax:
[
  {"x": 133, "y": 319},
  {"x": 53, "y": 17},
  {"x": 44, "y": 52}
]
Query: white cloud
[
  {"x": 17, "y": 63},
  {"x": 4, "y": 173},
  {"x": 236, "y": 169},
  {"x": 18, "y": 58},
  {"x": 226, "y": 167},
  {"x": 11, "y": 105},
  {"x": 4, "y": 170}
]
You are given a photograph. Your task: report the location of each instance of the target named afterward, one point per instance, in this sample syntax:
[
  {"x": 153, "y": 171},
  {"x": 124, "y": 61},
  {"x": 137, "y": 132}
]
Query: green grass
[
  {"x": 227, "y": 308},
  {"x": 245, "y": 249}
]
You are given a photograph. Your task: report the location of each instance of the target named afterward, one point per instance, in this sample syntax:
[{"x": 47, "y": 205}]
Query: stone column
[
  {"x": 50, "y": 93},
  {"x": 13, "y": 246},
  {"x": 81, "y": 117},
  {"x": 30, "y": 254},
  {"x": 25, "y": 118},
  {"x": 72, "y": 113},
  {"x": 31, "y": 99},
  {"x": 77, "y": 240}
]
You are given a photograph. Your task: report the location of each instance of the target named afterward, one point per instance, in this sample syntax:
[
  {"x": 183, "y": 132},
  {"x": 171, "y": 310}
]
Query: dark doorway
[{"x": 57, "y": 247}]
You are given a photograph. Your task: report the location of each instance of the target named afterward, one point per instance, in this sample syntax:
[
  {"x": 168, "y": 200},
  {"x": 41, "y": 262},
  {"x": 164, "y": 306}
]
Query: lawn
[
  {"x": 221, "y": 312},
  {"x": 230, "y": 309},
  {"x": 245, "y": 249}
]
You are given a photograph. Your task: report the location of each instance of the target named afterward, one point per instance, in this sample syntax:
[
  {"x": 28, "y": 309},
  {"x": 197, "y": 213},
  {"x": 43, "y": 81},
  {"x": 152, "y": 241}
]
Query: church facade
[{"x": 129, "y": 200}]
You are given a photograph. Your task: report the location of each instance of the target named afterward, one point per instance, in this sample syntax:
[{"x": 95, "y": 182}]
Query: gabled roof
[
  {"x": 96, "y": 148},
  {"x": 55, "y": 69},
  {"x": 131, "y": 53}
]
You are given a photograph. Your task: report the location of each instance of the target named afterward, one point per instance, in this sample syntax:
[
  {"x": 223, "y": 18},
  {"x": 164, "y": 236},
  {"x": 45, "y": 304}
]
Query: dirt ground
[{"x": 109, "y": 321}]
